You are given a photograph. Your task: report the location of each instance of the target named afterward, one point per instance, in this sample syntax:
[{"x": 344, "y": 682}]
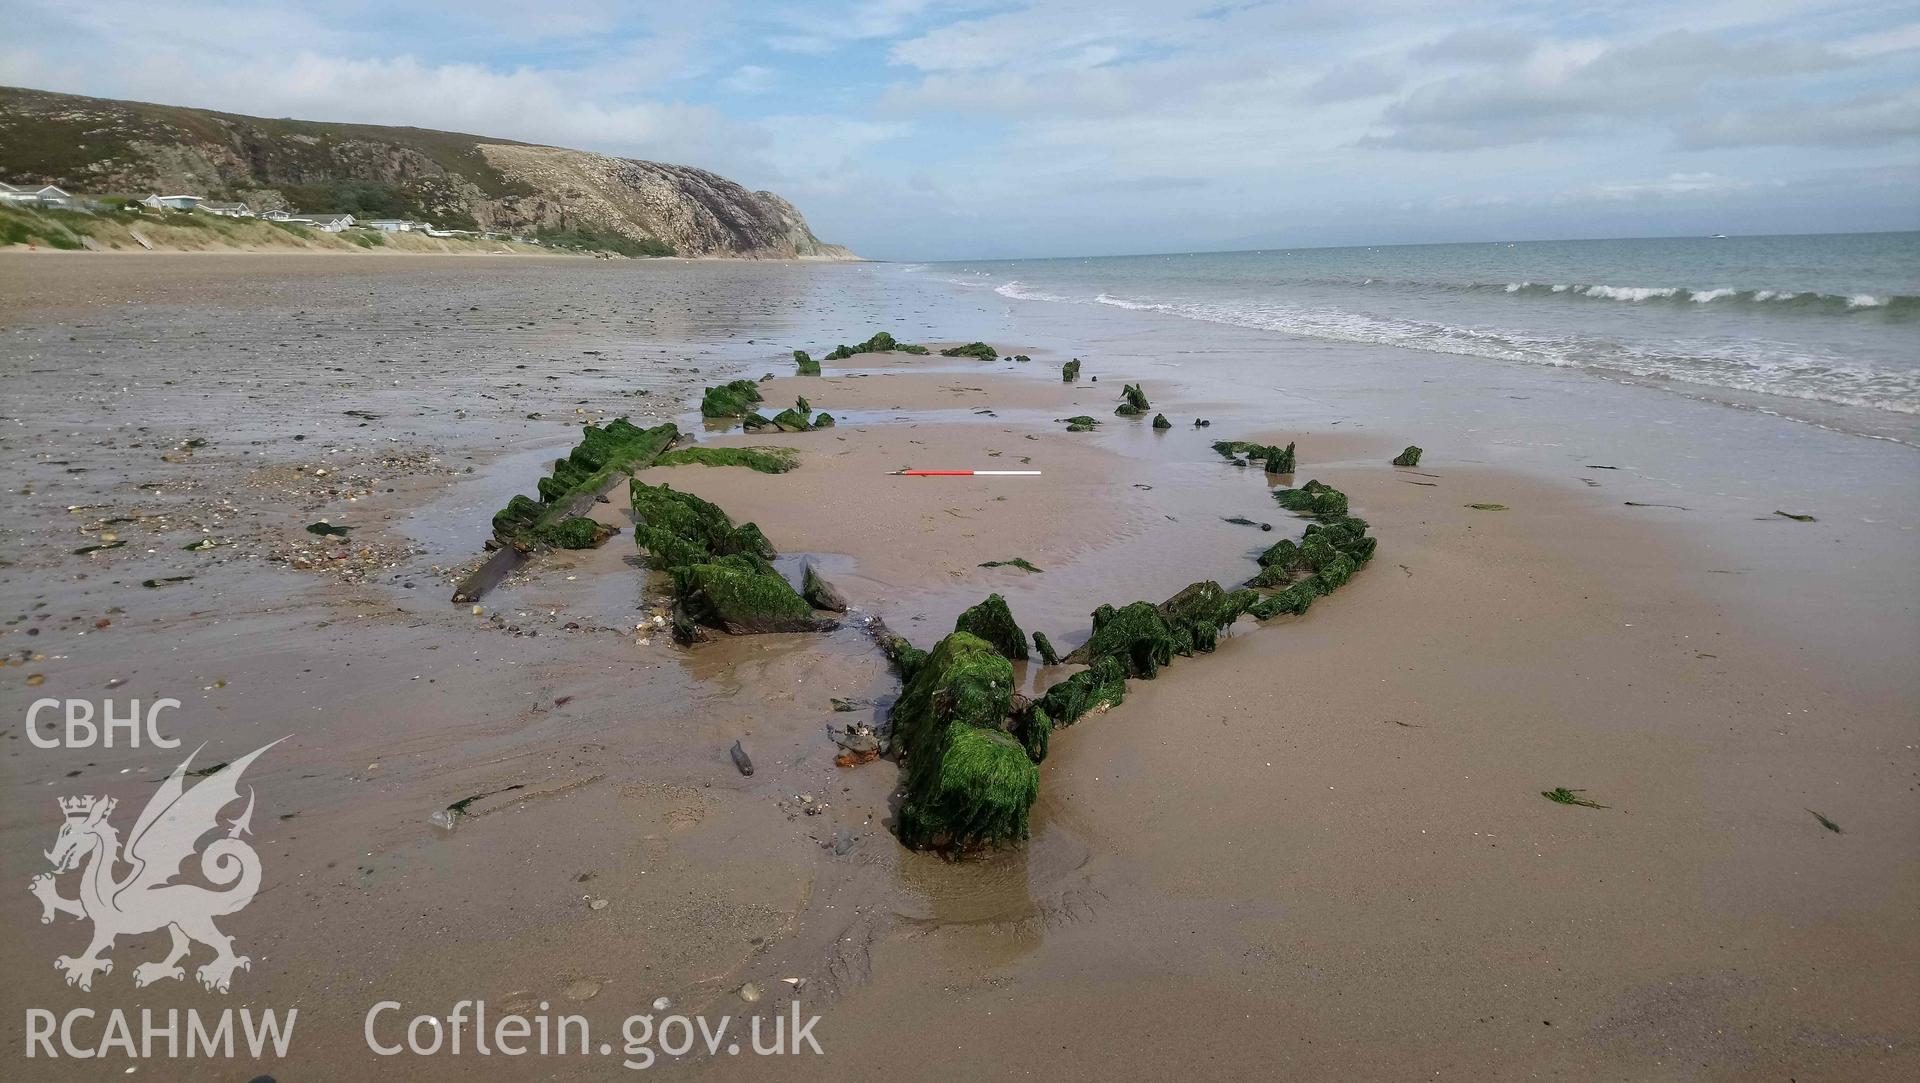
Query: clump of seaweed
[
  {"x": 1081, "y": 423},
  {"x": 1160, "y": 422},
  {"x": 805, "y": 365},
  {"x": 1017, "y": 562},
  {"x": 1409, "y": 457},
  {"x": 767, "y": 460},
  {"x": 603, "y": 452},
  {"x": 1560, "y": 795},
  {"x": 721, "y": 573},
  {"x": 993, "y": 621},
  {"x": 969, "y": 782},
  {"x": 1314, "y": 498},
  {"x": 1278, "y": 460},
  {"x": 1144, "y": 636},
  {"x": 1043, "y": 647},
  {"x": 736, "y": 399},
  {"x": 1826, "y": 823},
  {"x": 881, "y": 342},
  {"x": 573, "y": 532},
  {"x": 796, "y": 418},
  {"x": 1329, "y": 553},
  {"x": 1133, "y": 401},
  {"x": 1070, "y": 371},
  {"x": 972, "y": 349}
]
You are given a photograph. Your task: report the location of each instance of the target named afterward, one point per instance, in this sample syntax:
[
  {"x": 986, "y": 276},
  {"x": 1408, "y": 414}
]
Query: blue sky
[{"x": 921, "y": 129}]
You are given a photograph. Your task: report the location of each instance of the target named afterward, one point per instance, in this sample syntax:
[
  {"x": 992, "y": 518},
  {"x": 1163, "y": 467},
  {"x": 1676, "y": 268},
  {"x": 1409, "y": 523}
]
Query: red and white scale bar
[{"x": 968, "y": 473}]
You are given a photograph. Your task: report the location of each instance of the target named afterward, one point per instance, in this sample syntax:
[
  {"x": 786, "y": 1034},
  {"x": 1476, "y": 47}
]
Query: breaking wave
[
  {"x": 1897, "y": 305},
  {"x": 1019, "y": 292},
  {"x": 1738, "y": 366}
]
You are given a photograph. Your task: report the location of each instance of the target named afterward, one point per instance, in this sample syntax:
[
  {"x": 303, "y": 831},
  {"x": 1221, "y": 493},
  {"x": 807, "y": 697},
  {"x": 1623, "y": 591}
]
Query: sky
[{"x": 935, "y": 129}]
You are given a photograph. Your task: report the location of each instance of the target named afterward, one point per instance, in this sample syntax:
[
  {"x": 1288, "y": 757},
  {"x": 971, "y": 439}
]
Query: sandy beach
[{"x": 1321, "y": 850}]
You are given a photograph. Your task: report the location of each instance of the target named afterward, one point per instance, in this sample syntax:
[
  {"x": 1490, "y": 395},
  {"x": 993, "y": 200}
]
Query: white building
[
  {"x": 228, "y": 210},
  {"x": 171, "y": 203},
  {"x": 46, "y": 195},
  {"x": 331, "y": 223},
  {"x": 394, "y": 225}
]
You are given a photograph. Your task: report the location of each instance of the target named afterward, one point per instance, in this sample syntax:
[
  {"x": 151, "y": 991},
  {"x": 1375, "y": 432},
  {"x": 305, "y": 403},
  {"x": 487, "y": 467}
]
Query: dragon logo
[{"x": 147, "y": 897}]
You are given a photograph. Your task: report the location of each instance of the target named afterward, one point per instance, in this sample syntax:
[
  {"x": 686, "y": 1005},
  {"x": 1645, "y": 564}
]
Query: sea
[{"x": 1816, "y": 319}]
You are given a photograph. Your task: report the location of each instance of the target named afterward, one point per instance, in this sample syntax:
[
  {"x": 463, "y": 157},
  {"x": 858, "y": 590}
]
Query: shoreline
[{"x": 1323, "y": 844}]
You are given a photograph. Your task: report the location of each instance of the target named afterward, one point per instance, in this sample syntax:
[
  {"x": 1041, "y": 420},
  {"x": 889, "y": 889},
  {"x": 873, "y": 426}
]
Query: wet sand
[{"x": 1320, "y": 850}]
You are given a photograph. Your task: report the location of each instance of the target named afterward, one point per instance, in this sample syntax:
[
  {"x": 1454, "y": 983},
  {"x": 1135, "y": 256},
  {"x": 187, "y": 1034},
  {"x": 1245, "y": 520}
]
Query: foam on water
[{"x": 1737, "y": 366}]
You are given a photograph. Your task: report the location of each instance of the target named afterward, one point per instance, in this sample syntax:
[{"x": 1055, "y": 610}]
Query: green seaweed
[
  {"x": 1017, "y": 562},
  {"x": 806, "y": 366},
  {"x": 573, "y": 532},
  {"x": 328, "y": 530},
  {"x": 1035, "y": 731},
  {"x": 972, "y": 349},
  {"x": 1044, "y": 648},
  {"x": 881, "y": 342},
  {"x": 1798, "y": 518},
  {"x": 992, "y": 621},
  {"x": 766, "y": 460},
  {"x": 968, "y": 782},
  {"x": 1081, "y": 423},
  {"x": 1409, "y": 457},
  {"x": 1314, "y": 498},
  {"x": 1070, "y": 371},
  {"x": 1278, "y": 460},
  {"x": 1098, "y": 687},
  {"x": 1563, "y": 796},
  {"x": 1160, "y": 422},
  {"x": 604, "y": 451},
  {"x": 1824, "y": 822},
  {"x": 734, "y": 399},
  {"x": 1133, "y": 401},
  {"x": 743, "y": 595},
  {"x": 1488, "y": 507}
]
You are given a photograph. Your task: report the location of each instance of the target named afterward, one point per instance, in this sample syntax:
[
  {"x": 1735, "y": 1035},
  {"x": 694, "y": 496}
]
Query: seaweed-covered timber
[
  {"x": 819, "y": 593},
  {"x": 1315, "y": 499},
  {"x": 736, "y": 399},
  {"x": 969, "y": 782},
  {"x": 881, "y": 342},
  {"x": 1133, "y": 401},
  {"x": 1081, "y": 423},
  {"x": 972, "y": 349},
  {"x": 721, "y": 573},
  {"x": 797, "y": 418},
  {"x": 805, "y": 365},
  {"x": 905, "y": 657},
  {"x": 766, "y": 460},
  {"x": 554, "y": 520},
  {"x": 993, "y": 621},
  {"x": 1331, "y": 551},
  {"x": 1409, "y": 457},
  {"x": 1070, "y": 371},
  {"x": 958, "y": 725},
  {"x": 1044, "y": 648},
  {"x": 1160, "y": 422},
  {"x": 1278, "y": 460}
]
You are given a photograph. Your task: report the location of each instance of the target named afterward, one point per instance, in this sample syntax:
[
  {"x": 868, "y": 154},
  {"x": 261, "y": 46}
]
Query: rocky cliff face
[
  {"x": 698, "y": 212},
  {"x": 99, "y": 146}
]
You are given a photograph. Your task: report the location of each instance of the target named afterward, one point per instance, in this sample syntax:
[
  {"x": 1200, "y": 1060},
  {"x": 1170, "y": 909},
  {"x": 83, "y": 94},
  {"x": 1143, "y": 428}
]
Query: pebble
[
  {"x": 584, "y": 989},
  {"x": 750, "y": 993}
]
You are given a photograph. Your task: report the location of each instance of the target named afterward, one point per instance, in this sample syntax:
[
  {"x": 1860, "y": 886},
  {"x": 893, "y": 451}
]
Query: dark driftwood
[{"x": 510, "y": 556}]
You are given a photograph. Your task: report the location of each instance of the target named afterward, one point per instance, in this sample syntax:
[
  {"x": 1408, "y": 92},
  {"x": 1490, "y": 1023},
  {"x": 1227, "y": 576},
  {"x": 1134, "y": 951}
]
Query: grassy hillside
[
  {"x": 452, "y": 179},
  {"x": 177, "y": 231}
]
